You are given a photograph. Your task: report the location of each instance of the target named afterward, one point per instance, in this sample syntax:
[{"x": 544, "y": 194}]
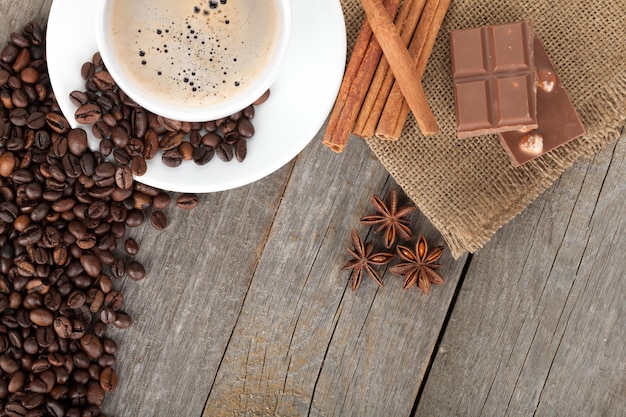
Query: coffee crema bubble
[{"x": 194, "y": 53}]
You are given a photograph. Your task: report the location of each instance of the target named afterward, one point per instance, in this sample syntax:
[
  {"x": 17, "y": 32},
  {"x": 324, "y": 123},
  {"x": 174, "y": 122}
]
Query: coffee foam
[{"x": 194, "y": 54}]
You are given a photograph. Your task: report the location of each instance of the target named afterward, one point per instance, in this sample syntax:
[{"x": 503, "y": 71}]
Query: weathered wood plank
[
  {"x": 200, "y": 268},
  {"x": 538, "y": 327},
  {"x": 304, "y": 344}
]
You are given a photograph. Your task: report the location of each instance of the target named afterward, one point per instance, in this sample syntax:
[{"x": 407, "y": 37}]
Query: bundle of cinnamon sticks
[{"x": 382, "y": 81}]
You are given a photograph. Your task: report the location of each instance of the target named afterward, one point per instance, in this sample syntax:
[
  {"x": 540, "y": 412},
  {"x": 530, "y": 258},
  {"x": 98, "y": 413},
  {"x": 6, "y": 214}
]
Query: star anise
[
  {"x": 363, "y": 261},
  {"x": 390, "y": 218},
  {"x": 420, "y": 267}
]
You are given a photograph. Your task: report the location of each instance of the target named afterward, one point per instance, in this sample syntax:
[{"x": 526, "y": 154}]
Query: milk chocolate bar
[
  {"x": 556, "y": 116},
  {"x": 493, "y": 70}
]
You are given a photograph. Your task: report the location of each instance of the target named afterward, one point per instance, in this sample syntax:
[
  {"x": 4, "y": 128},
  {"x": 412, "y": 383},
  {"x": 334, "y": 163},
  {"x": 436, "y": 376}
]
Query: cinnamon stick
[
  {"x": 401, "y": 64},
  {"x": 372, "y": 107},
  {"x": 397, "y": 109},
  {"x": 358, "y": 52},
  {"x": 355, "y": 84}
]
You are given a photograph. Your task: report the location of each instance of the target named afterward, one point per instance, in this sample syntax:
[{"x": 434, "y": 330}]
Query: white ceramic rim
[{"x": 195, "y": 114}]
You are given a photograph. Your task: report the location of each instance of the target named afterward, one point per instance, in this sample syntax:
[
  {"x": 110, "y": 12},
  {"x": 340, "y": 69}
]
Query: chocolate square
[{"x": 494, "y": 78}]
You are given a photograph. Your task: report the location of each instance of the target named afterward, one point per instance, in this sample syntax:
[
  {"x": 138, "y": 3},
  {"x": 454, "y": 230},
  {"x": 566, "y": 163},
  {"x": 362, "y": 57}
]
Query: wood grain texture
[
  {"x": 538, "y": 327},
  {"x": 15, "y": 14},
  {"x": 200, "y": 268},
  {"x": 305, "y": 344}
]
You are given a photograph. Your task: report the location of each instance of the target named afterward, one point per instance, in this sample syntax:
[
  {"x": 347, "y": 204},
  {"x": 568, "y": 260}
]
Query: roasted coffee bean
[
  {"x": 231, "y": 137},
  {"x": 248, "y": 112},
  {"x": 18, "y": 116},
  {"x": 195, "y": 138},
  {"x": 141, "y": 201},
  {"x": 79, "y": 98},
  {"x": 15, "y": 409},
  {"x": 211, "y": 139},
  {"x": 42, "y": 139},
  {"x": 57, "y": 122},
  {"x": 172, "y": 158},
  {"x": 36, "y": 120},
  {"x": 202, "y": 155},
  {"x": 88, "y": 164},
  {"x": 118, "y": 269},
  {"x": 107, "y": 315},
  {"x": 131, "y": 246},
  {"x": 187, "y": 201},
  {"x": 119, "y": 136},
  {"x": 87, "y": 70},
  {"x": 241, "y": 147},
  {"x": 108, "y": 379},
  {"x": 121, "y": 156},
  {"x": 151, "y": 144},
  {"x": 139, "y": 122},
  {"x": 171, "y": 140},
  {"x": 34, "y": 33},
  {"x": 22, "y": 60},
  {"x": 138, "y": 166},
  {"x": 104, "y": 81},
  {"x": 76, "y": 299},
  {"x": 9, "y": 53},
  {"x": 101, "y": 130},
  {"x": 121, "y": 194},
  {"x": 41, "y": 317},
  {"x": 147, "y": 189},
  {"x": 91, "y": 264},
  {"x": 71, "y": 165},
  {"x": 92, "y": 346},
  {"x": 158, "y": 221},
  {"x": 169, "y": 124},
  {"x": 186, "y": 150},
  {"x": 77, "y": 141},
  {"x": 124, "y": 177},
  {"x": 106, "y": 147},
  {"x": 224, "y": 151},
  {"x": 105, "y": 170},
  {"x": 161, "y": 200},
  {"x": 4, "y": 76},
  {"x": 229, "y": 126},
  {"x": 135, "y": 147},
  {"x": 8, "y": 161},
  {"x": 135, "y": 270},
  {"x": 88, "y": 113},
  {"x": 122, "y": 320},
  {"x": 134, "y": 218},
  {"x": 29, "y": 75}
]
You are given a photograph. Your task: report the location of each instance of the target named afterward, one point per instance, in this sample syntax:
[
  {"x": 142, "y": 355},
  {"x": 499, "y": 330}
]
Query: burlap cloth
[{"x": 468, "y": 188}]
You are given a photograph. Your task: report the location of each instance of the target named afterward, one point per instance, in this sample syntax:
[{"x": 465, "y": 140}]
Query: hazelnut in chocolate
[{"x": 558, "y": 121}]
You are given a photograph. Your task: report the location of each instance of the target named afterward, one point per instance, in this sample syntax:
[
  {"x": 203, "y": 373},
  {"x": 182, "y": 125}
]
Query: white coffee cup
[{"x": 148, "y": 72}]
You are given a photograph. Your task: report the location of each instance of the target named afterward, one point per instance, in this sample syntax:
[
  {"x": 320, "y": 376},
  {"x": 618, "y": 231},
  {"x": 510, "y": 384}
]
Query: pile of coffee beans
[
  {"x": 64, "y": 212},
  {"x": 133, "y": 134}
]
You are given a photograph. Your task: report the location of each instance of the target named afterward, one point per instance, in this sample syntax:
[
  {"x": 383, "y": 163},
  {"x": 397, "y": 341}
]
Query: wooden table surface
[{"x": 246, "y": 311}]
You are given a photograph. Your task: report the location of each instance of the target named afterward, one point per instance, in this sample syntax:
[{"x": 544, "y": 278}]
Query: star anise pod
[
  {"x": 420, "y": 267},
  {"x": 364, "y": 261},
  {"x": 390, "y": 218}
]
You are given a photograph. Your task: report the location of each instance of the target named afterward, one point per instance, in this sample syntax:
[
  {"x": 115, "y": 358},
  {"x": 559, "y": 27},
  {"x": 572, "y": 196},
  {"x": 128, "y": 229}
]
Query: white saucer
[{"x": 299, "y": 103}]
